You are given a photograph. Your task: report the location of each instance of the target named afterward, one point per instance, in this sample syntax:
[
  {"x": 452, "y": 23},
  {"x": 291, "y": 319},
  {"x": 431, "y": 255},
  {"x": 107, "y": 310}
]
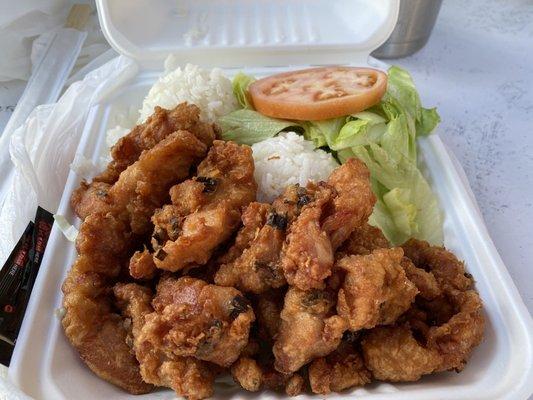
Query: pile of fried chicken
[{"x": 181, "y": 276}]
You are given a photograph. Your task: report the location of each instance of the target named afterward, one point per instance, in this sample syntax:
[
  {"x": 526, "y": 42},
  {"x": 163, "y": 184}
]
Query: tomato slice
[{"x": 318, "y": 93}]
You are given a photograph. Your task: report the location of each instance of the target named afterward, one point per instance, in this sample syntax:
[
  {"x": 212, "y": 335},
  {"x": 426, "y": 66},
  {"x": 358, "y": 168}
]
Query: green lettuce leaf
[
  {"x": 383, "y": 136},
  {"x": 240, "y": 85},
  {"x": 323, "y": 133},
  {"x": 361, "y": 129},
  {"x": 409, "y": 202},
  {"x": 249, "y": 127},
  {"x": 429, "y": 119},
  {"x": 401, "y": 91}
]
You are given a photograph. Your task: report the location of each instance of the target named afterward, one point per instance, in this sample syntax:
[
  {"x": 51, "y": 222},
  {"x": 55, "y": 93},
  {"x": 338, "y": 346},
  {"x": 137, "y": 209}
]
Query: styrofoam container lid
[{"x": 237, "y": 33}]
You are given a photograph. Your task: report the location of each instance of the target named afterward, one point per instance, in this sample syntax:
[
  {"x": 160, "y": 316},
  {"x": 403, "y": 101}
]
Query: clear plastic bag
[{"x": 43, "y": 148}]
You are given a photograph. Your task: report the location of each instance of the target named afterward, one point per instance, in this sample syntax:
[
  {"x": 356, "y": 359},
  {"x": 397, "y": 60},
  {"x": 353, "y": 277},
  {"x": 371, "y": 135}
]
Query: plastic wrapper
[{"x": 44, "y": 147}]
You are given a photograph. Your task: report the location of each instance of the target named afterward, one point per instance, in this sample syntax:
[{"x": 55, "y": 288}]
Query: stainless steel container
[{"x": 412, "y": 31}]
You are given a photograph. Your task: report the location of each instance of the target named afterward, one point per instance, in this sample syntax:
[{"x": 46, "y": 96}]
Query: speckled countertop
[{"x": 477, "y": 68}]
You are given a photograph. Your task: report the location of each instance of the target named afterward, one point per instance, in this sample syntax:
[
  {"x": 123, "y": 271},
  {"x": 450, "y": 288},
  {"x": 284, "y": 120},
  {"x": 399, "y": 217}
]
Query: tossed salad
[{"x": 351, "y": 112}]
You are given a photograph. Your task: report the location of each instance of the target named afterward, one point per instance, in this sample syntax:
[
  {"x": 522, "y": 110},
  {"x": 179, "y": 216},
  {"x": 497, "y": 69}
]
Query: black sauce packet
[{"x": 17, "y": 277}]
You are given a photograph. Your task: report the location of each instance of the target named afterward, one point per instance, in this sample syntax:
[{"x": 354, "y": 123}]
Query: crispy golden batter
[
  {"x": 157, "y": 127},
  {"x": 91, "y": 198},
  {"x": 393, "y": 354},
  {"x": 248, "y": 373},
  {"x": 307, "y": 256},
  {"x": 364, "y": 240},
  {"x": 90, "y": 324},
  {"x": 252, "y": 376},
  {"x": 144, "y": 185},
  {"x": 104, "y": 245},
  {"x": 375, "y": 290},
  {"x": 425, "y": 282},
  {"x": 446, "y": 268},
  {"x": 253, "y": 264},
  {"x": 309, "y": 328},
  {"x": 223, "y": 186},
  {"x": 338, "y": 207},
  {"x": 328, "y": 296},
  {"x": 353, "y": 203},
  {"x": 340, "y": 370},
  {"x": 253, "y": 218},
  {"x": 295, "y": 385},
  {"x": 142, "y": 265},
  {"x": 268, "y": 308},
  {"x": 440, "y": 332},
  {"x": 455, "y": 339},
  {"x": 187, "y": 376},
  {"x": 208, "y": 322}
]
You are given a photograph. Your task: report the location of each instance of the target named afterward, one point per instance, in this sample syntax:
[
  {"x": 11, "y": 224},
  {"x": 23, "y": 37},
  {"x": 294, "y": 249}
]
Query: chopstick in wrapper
[{"x": 17, "y": 278}]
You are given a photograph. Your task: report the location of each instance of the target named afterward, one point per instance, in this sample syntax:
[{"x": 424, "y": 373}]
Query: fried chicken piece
[
  {"x": 340, "y": 370},
  {"x": 194, "y": 318},
  {"x": 309, "y": 328},
  {"x": 223, "y": 186},
  {"x": 90, "y": 324},
  {"x": 248, "y": 373},
  {"x": 142, "y": 265},
  {"x": 295, "y": 385},
  {"x": 254, "y": 370},
  {"x": 339, "y": 207},
  {"x": 393, "y": 354},
  {"x": 144, "y": 185},
  {"x": 156, "y": 128},
  {"x": 104, "y": 245},
  {"x": 307, "y": 256},
  {"x": 91, "y": 198},
  {"x": 253, "y": 263},
  {"x": 253, "y": 218},
  {"x": 455, "y": 339},
  {"x": 425, "y": 282},
  {"x": 354, "y": 201},
  {"x": 257, "y": 268},
  {"x": 268, "y": 308},
  {"x": 252, "y": 376},
  {"x": 364, "y": 240},
  {"x": 375, "y": 290},
  {"x": 445, "y": 266},
  {"x": 187, "y": 376},
  {"x": 415, "y": 348}
]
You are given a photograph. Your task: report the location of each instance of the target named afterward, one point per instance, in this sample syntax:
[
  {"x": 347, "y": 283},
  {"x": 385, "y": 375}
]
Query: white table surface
[{"x": 477, "y": 69}]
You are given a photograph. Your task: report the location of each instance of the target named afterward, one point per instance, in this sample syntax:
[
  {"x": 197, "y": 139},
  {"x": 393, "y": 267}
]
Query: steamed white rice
[
  {"x": 288, "y": 159},
  {"x": 210, "y": 90}
]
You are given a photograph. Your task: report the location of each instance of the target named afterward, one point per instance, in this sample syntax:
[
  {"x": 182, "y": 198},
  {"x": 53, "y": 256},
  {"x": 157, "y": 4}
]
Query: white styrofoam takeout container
[{"x": 264, "y": 37}]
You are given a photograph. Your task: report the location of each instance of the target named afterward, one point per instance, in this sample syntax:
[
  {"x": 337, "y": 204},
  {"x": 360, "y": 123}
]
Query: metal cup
[{"x": 415, "y": 23}]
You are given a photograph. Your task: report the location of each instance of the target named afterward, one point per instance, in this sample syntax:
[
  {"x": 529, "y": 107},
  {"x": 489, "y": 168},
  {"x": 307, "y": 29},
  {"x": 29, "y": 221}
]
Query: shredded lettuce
[
  {"x": 249, "y": 127},
  {"x": 69, "y": 231},
  {"x": 240, "y": 85},
  {"x": 383, "y": 137},
  {"x": 323, "y": 132},
  {"x": 406, "y": 197}
]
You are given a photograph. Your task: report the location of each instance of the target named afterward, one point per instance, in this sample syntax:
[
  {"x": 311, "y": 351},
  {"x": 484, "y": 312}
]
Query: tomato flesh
[{"x": 318, "y": 93}]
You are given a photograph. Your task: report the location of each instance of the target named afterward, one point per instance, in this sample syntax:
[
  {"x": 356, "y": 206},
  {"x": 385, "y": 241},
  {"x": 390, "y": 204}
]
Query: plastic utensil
[{"x": 45, "y": 83}]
